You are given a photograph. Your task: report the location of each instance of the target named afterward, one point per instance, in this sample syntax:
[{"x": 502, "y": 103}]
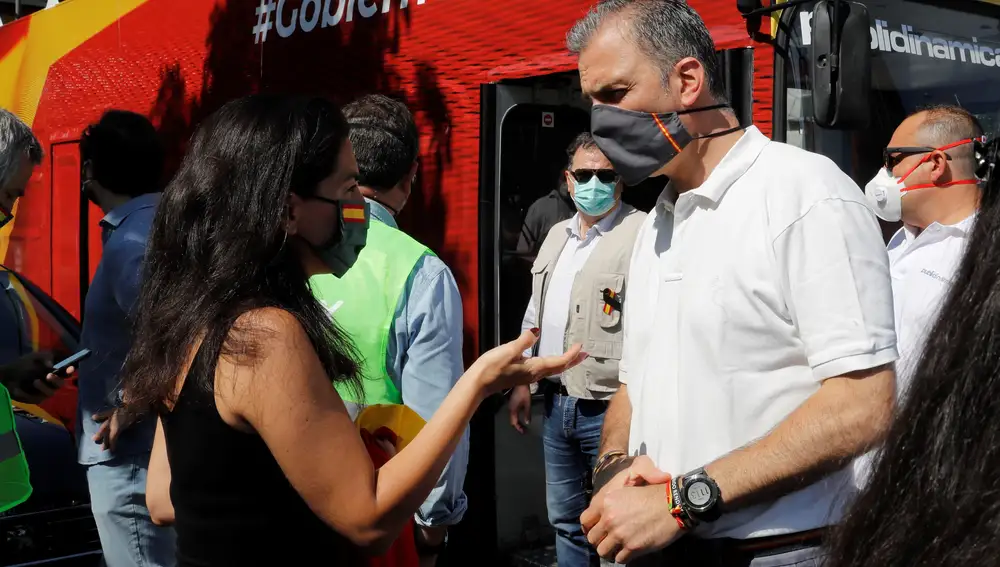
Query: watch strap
[{"x": 678, "y": 510}]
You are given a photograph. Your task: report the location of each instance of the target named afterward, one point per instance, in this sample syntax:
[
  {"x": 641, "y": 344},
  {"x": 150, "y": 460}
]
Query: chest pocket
[{"x": 606, "y": 316}]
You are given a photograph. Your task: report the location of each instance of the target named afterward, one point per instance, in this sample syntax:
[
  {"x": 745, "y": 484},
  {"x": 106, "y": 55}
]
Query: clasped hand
[{"x": 630, "y": 516}]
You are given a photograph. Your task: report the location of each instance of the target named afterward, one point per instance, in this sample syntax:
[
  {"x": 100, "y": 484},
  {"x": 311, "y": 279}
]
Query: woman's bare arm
[
  {"x": 161, "y": 509},
  {"x": 286, "y": 396}
]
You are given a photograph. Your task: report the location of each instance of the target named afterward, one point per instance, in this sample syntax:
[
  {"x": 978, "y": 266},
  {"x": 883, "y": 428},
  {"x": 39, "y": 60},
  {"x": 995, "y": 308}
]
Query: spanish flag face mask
[{"x": 341, "y": 250}]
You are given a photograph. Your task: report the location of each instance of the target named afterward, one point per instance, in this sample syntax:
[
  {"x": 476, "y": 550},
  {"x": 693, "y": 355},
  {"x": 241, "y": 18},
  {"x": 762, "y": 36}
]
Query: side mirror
[{"x": 841, "y": 64}]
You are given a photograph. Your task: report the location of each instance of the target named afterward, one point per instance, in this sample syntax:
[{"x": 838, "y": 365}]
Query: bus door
[{"x": 533, "y": 122}]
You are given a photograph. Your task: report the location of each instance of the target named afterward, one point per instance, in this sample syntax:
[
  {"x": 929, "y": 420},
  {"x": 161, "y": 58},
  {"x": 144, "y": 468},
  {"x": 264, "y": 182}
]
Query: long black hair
[
  {"x": 933, "y": 498},
  {"x": 218, "y": 245}
]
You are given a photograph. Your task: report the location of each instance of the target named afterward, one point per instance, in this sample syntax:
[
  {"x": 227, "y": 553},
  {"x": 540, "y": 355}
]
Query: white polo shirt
[
  {"x": 744, "y": 296},
  {"x": 923, "y": 269}
]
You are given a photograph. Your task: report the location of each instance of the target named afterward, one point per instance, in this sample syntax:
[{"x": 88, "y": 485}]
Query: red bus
[{"x": 496, "y": 96}]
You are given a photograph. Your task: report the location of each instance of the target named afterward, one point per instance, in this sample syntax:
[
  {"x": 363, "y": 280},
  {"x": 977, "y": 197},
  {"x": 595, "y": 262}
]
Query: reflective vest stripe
[
  {"x": 9, "y": 447},
  {"x": 15, "y": 485}
]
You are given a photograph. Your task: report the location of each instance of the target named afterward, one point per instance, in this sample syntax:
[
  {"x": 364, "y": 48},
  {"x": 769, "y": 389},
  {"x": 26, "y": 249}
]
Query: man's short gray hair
[
  {"x": 664, "y": 30},
  {"x": 16, "y": 140},
  {"x": 945, "y": 124}
]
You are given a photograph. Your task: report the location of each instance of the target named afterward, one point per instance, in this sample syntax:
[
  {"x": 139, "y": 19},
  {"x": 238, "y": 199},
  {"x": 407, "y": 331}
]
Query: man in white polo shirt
[
  {"x": 930, "y": 183},
  {"x": 759, "y": 340}
]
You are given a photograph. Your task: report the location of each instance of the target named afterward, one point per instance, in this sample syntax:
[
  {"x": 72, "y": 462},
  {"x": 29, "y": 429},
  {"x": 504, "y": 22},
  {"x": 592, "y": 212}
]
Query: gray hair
[
  {"x": 16, "y": 140},
  {"x": 666, "y": 31},
  {"x": 945, "y": 124}
]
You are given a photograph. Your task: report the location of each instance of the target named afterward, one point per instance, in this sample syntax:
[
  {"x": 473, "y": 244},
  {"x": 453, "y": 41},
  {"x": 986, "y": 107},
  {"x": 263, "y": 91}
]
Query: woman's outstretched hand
[{"x": 505, "y": 366}]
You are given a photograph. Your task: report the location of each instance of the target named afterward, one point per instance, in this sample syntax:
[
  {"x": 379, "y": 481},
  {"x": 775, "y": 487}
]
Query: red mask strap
[
  {"x": 949, "y": 184},
  {"x": 928, "y": 156}
]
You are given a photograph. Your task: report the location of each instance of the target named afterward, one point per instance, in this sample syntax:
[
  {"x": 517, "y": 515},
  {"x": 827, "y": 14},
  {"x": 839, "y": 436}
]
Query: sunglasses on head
[
  {"x": 603, "y": 175},
  {"x": 891, "y": 156}
]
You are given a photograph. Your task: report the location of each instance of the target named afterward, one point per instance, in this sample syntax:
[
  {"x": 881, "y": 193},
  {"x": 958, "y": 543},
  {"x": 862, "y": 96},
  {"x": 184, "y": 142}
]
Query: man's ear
[
  {"x": 570, "y": 185},
  {"x": 939, "y": 167},
  {"x": 413, "y": 171},
  {"x": 689, "y": 81}
]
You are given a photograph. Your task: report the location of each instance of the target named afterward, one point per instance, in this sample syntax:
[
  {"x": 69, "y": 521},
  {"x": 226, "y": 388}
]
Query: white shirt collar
[
  {"x": 602, "y": 226},
  {"x": 934, "y": 231},
  {"x": 734, "y": 164}
]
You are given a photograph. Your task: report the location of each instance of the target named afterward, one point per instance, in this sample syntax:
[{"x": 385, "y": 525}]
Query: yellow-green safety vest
[
  {"x": 15, "y": 485},
  {"x": 363, "y": 303}
]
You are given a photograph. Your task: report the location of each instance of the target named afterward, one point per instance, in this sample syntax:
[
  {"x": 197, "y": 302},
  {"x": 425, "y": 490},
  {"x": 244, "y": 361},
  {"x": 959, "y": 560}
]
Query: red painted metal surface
[{"x": 178, "y": 60}]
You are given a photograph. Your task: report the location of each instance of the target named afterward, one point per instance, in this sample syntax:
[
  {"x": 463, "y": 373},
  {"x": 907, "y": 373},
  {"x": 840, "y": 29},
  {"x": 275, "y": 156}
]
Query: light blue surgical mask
[{"x": 593, "y": 195}]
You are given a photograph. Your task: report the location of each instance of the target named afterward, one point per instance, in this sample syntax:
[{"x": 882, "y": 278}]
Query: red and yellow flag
[{"x": 353, "y": 213}]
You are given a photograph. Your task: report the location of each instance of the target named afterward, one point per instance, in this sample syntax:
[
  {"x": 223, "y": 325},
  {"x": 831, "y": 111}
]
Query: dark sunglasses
[
  {"x": 603, "y": 175},
  {"x": 891, "y": 156}
]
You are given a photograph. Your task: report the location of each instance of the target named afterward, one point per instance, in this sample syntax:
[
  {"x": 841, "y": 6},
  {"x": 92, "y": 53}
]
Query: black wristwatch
[{"x": 700, "y": 496}]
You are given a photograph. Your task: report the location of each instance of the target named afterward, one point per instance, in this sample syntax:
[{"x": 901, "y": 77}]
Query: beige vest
[{"x": 599, "y": 333}]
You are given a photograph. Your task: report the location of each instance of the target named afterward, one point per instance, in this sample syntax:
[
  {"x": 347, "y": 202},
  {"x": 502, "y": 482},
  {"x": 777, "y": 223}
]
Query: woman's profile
[{"x": 256, "y": 460}]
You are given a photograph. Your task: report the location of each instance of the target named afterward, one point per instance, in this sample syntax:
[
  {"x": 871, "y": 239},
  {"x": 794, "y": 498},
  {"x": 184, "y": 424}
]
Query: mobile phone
[{"x": 59, "y": 368}]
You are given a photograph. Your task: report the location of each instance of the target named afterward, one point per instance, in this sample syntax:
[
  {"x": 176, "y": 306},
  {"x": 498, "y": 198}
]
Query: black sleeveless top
[{"x": 233, "y": 505}]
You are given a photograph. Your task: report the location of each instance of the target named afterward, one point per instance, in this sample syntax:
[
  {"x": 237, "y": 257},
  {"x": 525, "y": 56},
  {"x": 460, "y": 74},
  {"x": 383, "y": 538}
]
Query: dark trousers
[{"x": 779, "y": 551}]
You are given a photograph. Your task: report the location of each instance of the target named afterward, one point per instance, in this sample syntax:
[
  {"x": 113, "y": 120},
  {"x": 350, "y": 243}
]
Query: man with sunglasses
[
  {"x": 578, "y": 286},
  {"x": 930, "y": 182}
]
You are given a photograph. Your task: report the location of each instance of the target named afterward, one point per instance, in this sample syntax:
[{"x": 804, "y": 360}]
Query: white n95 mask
[{"x": 884, "y": 194}]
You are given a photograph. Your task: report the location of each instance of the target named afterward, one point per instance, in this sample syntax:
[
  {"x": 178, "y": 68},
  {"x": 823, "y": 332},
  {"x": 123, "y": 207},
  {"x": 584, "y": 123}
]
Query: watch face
[{"x": 699, "y": 494}]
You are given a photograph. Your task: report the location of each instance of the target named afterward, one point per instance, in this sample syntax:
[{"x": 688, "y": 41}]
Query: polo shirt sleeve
[{"x": 835, "y": 274}]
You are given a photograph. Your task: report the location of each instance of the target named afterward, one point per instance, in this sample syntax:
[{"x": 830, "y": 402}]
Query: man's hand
[
  {"x": 430, "y": 537},
  {"x": 520, "y": 407},
  {"x": 32, "y": 369},
  {"x": 631, "y": 522},
  {"x": 640, "y": 468},
  {"x": 111, "y": 426}
]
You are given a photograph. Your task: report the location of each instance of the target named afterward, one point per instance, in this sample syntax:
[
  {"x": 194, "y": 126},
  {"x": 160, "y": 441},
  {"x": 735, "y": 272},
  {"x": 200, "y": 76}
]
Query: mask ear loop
[{"x": 927, "y": 158}]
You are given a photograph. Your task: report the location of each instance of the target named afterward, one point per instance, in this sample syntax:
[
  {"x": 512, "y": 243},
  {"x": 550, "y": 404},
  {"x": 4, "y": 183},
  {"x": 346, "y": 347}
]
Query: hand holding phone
[
  {"x": 64, "y": 367},
  {"x": 34, "y": 378}
]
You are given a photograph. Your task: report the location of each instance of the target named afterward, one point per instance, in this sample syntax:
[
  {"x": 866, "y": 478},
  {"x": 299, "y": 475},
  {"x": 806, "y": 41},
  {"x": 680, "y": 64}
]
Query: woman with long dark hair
[
  {"x": 236, "y": 357},
  {"x": 933, "y": 498}
]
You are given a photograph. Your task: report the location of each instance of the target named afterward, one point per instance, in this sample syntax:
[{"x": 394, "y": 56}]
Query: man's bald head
[{"x": 941, "y": 125}]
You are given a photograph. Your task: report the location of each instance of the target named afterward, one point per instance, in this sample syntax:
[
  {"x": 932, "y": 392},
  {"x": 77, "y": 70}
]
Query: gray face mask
[
  {"x": 342, "y": 249},
  {"x": 638, "y": 144}
]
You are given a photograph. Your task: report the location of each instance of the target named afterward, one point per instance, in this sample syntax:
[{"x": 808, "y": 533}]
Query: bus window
[{"x": 923, "y": 54}]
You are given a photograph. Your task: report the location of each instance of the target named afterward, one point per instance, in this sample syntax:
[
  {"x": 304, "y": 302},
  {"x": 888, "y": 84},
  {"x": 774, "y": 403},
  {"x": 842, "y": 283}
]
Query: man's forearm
[
  {"x": 617, "y": 421},
  {"x": 845, "y": 418}
]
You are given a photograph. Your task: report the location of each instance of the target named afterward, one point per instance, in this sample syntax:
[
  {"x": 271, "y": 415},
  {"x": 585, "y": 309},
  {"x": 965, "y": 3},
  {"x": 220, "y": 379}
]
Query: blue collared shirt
[
  {"x": 107, "y": 327},
  {"x": 424, "y": 360}
]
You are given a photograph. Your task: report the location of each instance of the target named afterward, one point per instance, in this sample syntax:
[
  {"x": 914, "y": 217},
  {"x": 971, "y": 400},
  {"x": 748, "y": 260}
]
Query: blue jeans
[
  {"x": 572, "y": 438},
  {"x": 118, "y": 499}
]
